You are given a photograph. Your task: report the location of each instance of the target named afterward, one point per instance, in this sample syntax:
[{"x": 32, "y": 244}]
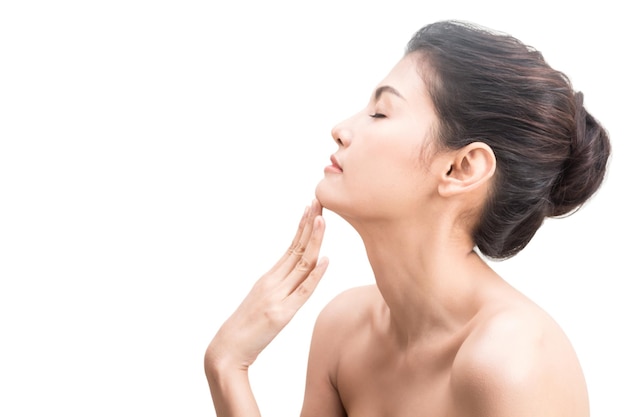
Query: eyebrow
[{"x": 386, "y": 89}]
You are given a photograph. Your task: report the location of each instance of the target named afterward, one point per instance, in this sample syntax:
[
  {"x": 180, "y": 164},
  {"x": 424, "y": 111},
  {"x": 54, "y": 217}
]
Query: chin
[
  {"x": 333, "y": 200},
  {"x": 321, "y": 194},
  {"x": 327, "y": 196}
]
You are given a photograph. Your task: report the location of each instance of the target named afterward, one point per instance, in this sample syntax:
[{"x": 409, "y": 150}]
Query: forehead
[{"x": 405, "y": 77}]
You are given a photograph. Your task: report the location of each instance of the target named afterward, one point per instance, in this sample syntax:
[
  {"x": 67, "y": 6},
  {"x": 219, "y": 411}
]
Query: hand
[{"x": 274, "y": 299}]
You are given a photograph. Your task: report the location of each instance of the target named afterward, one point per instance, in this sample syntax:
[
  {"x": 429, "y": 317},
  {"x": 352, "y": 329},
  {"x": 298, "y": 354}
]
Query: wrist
[
  {"x": 229, "y": 384},
  {"x": 218, "y": 362}
]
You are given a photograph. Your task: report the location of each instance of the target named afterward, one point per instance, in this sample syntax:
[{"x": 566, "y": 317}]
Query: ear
[{"x": 468, "y": 168}]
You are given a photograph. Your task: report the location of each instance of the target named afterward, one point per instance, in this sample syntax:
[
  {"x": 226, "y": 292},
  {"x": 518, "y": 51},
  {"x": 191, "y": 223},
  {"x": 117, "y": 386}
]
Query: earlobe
[{"x": 469, "y": 168}]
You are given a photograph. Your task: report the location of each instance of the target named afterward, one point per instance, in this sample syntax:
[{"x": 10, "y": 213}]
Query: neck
[{"x": 429, "y": 277}]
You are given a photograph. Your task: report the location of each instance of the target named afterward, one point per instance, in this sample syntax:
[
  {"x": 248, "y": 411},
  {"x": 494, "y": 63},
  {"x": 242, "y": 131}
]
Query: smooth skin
[
  {"x": 440, "y": 333},
  {"x": 270, "y": 305}
]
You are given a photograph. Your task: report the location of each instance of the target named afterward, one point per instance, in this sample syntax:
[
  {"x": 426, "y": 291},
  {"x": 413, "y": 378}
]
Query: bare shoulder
[
  {"x": 516, "y": 361},
  {"x": 345, "y": 316},
  {"x": 349, "y": 307},
  {"x": 336, "y": 327}
]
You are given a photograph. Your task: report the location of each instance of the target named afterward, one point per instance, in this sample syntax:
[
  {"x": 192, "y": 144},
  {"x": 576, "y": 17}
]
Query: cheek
[
  {"x": 383, "y": 184},
  {"x": 388, "y": 165}
]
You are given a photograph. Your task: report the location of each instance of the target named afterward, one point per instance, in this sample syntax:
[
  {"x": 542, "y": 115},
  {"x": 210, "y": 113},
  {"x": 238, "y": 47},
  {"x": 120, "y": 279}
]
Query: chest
[{"x": 373, "y": 382}]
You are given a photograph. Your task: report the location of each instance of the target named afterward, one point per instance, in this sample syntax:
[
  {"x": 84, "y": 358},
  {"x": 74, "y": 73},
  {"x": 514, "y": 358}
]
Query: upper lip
[{"x": 333, "y": 160}]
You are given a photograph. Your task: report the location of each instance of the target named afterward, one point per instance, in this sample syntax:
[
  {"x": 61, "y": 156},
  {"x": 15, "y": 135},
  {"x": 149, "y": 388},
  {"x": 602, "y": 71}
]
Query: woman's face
[{"x": 379, "y": 170}]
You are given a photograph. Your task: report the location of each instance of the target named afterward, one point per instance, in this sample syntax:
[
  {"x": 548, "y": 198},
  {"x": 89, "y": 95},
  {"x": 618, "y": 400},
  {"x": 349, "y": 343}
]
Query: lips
[{"x": 336, "y": 165}]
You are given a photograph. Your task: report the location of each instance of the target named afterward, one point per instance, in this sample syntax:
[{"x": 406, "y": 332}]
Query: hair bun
[{"x": 584, "y": 169}]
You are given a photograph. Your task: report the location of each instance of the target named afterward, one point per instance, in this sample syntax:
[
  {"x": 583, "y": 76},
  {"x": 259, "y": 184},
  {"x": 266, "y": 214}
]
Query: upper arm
[
  {"x": 518, "y": 367},
  {"x": 321, "y": 398}
]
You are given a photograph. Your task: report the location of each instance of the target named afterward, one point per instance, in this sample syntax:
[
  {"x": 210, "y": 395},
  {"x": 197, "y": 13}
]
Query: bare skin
[
  {"x": 270, "y": 305},
  {"x": 510, "y": 359},
  {"x": 440, "y": 333}
]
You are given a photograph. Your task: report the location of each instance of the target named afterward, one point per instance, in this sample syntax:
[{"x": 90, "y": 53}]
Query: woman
[{"x": 466, "y": 146}]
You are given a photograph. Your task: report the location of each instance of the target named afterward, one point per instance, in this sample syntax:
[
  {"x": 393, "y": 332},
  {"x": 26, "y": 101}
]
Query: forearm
[
  {"x": 268, "y": 307},
  {"x": 230, "y": 390}
]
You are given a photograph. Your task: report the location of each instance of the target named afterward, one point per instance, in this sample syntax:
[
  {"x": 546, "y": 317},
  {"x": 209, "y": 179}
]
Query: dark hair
[{"x": 551, "y": 155}]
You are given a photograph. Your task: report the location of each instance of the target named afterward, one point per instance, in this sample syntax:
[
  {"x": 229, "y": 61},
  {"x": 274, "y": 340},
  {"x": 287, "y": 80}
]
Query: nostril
[{"x": 341, "y": 135}]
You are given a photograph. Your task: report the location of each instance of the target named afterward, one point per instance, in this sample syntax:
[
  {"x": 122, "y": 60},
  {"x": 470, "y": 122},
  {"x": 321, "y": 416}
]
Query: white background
[{"x": 155, "y": 157}]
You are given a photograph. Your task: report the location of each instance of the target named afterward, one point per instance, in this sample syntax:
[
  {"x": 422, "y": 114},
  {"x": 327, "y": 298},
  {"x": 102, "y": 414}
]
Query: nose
[{"x": 342, "y": 134}]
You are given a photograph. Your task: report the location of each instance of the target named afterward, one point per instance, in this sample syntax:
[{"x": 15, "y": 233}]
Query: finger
[
  {"x": 316, "y": 207},
  {"x": 304, "y": 291},
  {"x": 299, "y": 244},
  {"x": 295, "y": 242},
  {"x": 308, "y": 260},
  {"x": 318, "y": 202}
]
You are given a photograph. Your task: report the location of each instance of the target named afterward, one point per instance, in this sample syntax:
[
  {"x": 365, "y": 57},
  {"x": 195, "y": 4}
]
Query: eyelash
[{"x": 377, "y": 116}]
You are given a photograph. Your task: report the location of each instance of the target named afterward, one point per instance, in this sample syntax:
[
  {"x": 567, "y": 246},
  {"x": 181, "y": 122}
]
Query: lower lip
[{"x": 332, "y": 169}]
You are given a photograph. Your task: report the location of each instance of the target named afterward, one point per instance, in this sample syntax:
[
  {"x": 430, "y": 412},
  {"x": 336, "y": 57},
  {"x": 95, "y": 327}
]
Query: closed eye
[{"x": 377, "y": 116}]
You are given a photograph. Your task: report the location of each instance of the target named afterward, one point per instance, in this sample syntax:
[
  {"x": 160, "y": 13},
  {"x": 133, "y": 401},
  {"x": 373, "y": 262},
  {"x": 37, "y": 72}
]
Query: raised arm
[{"x": 270, "y": 305}]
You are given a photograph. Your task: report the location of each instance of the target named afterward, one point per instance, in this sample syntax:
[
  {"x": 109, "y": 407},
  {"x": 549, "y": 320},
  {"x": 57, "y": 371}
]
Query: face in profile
[{"x": 379, "y": 168}]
